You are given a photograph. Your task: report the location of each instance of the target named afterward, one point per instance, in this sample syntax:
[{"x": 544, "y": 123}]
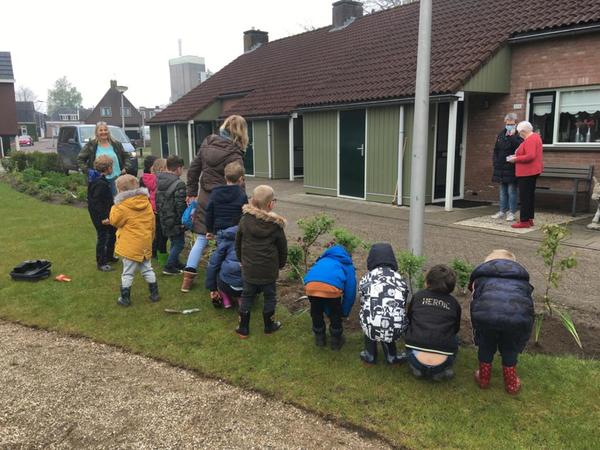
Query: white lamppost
[{"x": 122, "y": 90}]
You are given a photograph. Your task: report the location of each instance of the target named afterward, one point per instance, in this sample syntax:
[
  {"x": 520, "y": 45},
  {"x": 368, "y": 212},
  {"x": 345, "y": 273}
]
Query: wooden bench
[{"x": 581, "y": 177}]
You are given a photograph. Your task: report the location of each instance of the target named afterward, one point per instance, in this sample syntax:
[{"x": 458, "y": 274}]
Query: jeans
[
  {"x": 177, "y": 244},
  {"x": 252, "y": 290},
  {"x": 426, "y": 370},
  {"x": 527, "y": 195},
  {"x": 490, "y": 341},
  {"x": 195, "y": 255},
  {"x": 131, "y": 267},
  {"x": 318, "y": 305},
  {"x": 508, "y": 197},
  {"x": 105, "y": 243}
]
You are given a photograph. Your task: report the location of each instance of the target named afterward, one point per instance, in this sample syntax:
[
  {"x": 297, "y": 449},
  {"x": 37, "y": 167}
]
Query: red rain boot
[
  {"x": 531, "y": 222},
  {"x": 483, "y": 375},
  {"x": 512, "y": 383}
]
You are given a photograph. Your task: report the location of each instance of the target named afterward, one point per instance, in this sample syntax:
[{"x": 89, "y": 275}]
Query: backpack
[
  {"x": 31, "y": 270},
  {"x": 187, "y": 219}
]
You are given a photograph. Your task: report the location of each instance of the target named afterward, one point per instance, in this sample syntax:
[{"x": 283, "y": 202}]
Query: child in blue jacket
[
  {"x": 331, "y": 288},
  {"x": 224, "y": 272}
]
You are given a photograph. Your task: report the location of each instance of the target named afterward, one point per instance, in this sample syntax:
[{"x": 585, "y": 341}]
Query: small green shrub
[
  {"x": 68, "y": 198},
  {"x": 81, "y": 194},
  {"x": 411, "y": 267},
  {"x": 463, "y": 270},
  {"x": 8, "y": 164},
  {"x": 44, "y": 162},
  {"x": 32, "y": 189},
  {"x": 20, "y": 160},
  {"x": 312, "y": 229},
  {"x": 45, "y": 194},
  {"x": 349, "y": 241},
  {"x": 31, "y": 175},
  {"x": 295, "y": 260}
]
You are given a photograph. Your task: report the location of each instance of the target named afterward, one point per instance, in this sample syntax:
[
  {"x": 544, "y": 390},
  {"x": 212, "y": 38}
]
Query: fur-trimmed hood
[
  {"x": 264, "y": 215},
  {"x": 122, "y": 196}
]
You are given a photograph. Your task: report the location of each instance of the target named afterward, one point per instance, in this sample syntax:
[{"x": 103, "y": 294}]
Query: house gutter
[
  {"x": 536, "y": 36},
  {"x": 391, "y": 102},
  {"x": 401, "y": 137}
]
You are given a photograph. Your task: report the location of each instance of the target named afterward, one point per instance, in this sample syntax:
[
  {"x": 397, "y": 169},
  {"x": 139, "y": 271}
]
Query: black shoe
[
  {"x": 391, "y": 355},
  {"x": 105, "y": 268},
  {"x": 113, "y": 260},
  {"x": 243, "y": 329},
  {"x": 180, "y": 266},
  {"x": 170, "y": 270},
  {"x": 271, "y": 326},
  {"x": 154, "y": 297},
  {"x": 369, "y": 354},
  {"x": 447, "y": 374},
  {"x": 337, "y": 339},
  {"x": 416, "y": 372},
  {"x": 125, "y": 297},
  {"x": 320, "y": 338}
]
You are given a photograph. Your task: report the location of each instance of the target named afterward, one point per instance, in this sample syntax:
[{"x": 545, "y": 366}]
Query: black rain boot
[
  {"x": 243, "y": 329},
  {"x": 369, "y": 354},
  {"x": 125, "y": 297},
  {"x": 320, "y": 338},
  {"x": 391, "y": 355},
  {"x": 154, "y": 297},
  {"x": 337, "y": 338},
  {"x": 271, "y": 326}
]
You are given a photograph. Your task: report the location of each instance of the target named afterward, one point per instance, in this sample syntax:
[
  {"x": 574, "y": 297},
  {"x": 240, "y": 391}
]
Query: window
[
  {"x": 106, "y": 111},
  {"x": 68, "y": 117},
  {"x": 569, "y": 116},
  {"x": 126, "y": 111}
]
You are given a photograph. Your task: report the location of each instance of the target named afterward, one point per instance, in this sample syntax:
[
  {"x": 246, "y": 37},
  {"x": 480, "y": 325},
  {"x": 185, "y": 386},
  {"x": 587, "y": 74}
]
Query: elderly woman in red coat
[{"x": 529, "y": 164}]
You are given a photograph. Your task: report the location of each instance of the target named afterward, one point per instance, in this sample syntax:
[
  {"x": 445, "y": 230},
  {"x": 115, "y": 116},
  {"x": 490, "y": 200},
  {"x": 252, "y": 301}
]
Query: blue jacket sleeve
[
  {"x": 214, "y": 266},
  {"x": 349, "y": 291}
]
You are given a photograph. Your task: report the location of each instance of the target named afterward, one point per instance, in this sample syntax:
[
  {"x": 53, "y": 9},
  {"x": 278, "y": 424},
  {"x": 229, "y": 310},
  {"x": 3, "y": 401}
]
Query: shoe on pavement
[
  {"x": 521, "y": 224},
  {"x": 510, "y": 217},
  {"x": 498, "y": 215}
]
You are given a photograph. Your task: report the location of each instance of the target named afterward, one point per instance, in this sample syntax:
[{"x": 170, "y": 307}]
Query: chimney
[
  {"x": 345, "y": 11},
  {"x": 113, "y": 84},
  {"x": 254, "y": 38}
]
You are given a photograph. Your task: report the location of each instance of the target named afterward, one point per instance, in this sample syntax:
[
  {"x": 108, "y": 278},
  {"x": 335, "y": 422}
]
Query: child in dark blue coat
[
  {"x": 331, "y": 288},
  {"x": 224, "y": 272},
  {"x": 502, "y": 315}
]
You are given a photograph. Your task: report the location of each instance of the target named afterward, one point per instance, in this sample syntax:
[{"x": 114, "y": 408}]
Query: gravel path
[{"x": 62, "y": 392}]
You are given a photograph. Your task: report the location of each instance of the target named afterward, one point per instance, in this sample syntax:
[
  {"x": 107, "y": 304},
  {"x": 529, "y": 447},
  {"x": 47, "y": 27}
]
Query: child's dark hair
[
  {"x": 148, "y": 162},
  {"x": 441, "y": 279},
  {"x": 174, "y": 162}
]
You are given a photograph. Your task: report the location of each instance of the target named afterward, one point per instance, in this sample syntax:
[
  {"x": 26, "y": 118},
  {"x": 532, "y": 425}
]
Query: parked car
[
  {"x": 72, "y": 139},
  {"x": 25, "y": 140}
]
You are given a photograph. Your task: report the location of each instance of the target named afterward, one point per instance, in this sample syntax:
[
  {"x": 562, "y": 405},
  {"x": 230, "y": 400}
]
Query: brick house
[
  {"x": 335, "y": 105},
  {"x": 108, "y": 110},
  {"x": 8, "y": 110}
]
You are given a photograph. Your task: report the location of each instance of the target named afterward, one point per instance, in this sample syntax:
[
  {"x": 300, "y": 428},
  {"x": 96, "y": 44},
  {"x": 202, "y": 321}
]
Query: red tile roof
[{"x": 374, "y": 58}]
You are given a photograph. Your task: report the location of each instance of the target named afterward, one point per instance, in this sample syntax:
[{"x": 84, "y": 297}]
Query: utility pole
[{"x": 420, "y": 132}]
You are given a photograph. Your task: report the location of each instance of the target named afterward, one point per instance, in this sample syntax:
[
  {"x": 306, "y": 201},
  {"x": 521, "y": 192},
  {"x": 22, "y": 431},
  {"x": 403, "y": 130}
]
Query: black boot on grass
[
  {"x": 320, "y": 339},
  {"x": 153, "y": 287},
  {"x": 243, "y": 329},
  {"x": 125, "y": 297},
  {"x": 337, "y": 338},
  {"x": 391, "y": 354},
  {"x": 369, "y": 354},
  {"x": 271, "y": 326}
]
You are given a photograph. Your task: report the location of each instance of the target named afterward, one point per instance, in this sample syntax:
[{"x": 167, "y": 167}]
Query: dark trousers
[
  {"x": 160, "y": 241},
  {"x": 177, "y": 244},
  {"x": 527, "y": 197},
  {"x": 429, "y": 371},
  {"x": 105, "y": 243},
  {"x": 330, "y": 306},
  {"x": 250, "y": 292},
  {"x": 491, "y": 341}
]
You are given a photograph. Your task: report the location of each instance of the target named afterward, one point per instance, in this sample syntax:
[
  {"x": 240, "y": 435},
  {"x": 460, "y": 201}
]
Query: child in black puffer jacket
[{"x": 502, "y": 315}]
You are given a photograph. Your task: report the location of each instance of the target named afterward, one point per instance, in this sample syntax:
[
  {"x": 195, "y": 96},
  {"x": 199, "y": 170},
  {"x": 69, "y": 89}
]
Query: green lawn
[{"x": 559, "y": 406}]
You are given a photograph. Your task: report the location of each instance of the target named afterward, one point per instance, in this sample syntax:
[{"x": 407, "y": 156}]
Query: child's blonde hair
[
  {"x": 500, "y": 254},
  {"x": 262, "y": 196},
  {"x": 103, "y": 163},
  {"x": 127, "y": 183},
  {"x": 160, "y": 165},
  {"x": 238, "y": 130}
]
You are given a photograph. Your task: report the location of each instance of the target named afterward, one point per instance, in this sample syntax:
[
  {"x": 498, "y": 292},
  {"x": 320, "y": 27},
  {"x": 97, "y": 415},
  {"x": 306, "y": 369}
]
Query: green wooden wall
[
  {"x": 155, "y": 140},
  {"x": 261, "y": 149},
  {"x": 182, "y": 142},
  {"x": 382, "y": 152},
  {"x": 280, "y": 145},
  {"x": 171, "y": 137},
  {"x": 210, "y": 113},
  {"x": 320, "y": 153},
  {"x": 494, "y": 76}
]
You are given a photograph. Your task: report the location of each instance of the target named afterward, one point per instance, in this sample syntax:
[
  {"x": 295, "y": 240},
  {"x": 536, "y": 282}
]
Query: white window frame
[
  {"x": 557, "y": 92},
  {"x": 105, "y": 108},
  {"x": 126, "y": 109}
]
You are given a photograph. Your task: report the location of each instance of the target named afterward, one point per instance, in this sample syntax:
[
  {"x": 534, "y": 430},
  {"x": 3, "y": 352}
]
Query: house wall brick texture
[{"x": 548, "y": 64}]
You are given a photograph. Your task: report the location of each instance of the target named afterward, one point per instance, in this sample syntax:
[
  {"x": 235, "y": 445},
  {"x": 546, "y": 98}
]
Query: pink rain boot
[{"x": 226, "y": 300}]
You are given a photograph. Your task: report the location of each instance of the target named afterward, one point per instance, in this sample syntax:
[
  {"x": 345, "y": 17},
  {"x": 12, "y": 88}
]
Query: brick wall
[{"x": 553, "y": 63}]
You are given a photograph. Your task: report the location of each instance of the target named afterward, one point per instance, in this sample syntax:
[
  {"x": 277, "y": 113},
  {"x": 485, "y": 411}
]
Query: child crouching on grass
[
  {"x": 224, "y": 272},
  {"x": 261, "y": 247},
  {"x": 133, "y": 218},
  {"x": 502, "y": 316}
]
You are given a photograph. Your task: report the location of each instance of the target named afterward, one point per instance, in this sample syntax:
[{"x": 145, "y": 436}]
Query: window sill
[{"x": 572, "y": 148}]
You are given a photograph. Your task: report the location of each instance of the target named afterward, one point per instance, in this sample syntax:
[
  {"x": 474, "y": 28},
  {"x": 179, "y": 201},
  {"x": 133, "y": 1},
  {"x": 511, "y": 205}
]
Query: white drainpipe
[
  {"x": 291, "y": 143},
  {"x": 401, "y": 137},
  {"x": 451, "y": 155},
  {"x": 175, "y": 137},
  {"x": 269, "y": 149},
  {"x": 190, "y": 143}
]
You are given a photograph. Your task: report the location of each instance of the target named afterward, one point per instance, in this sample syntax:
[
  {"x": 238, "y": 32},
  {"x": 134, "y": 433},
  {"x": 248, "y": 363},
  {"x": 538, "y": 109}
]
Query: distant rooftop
[
  {"x": 6, "y": 70},
  {"x": 186, "y": 59}
]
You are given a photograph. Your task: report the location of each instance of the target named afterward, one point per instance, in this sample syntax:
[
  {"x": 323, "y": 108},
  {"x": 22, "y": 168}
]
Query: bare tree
[
  {"x": 24, "y": 94},
  {"x": 377, "y": 5}
]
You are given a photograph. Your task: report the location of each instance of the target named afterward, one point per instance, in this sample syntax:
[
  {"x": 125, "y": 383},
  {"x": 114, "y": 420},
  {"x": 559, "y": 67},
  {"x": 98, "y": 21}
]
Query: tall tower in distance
[{"x": 186, "y": 72}]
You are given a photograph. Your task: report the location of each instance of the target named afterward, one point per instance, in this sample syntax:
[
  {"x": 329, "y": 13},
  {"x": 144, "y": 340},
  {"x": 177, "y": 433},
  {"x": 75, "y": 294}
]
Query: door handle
[{"x": 362, "y": 150}]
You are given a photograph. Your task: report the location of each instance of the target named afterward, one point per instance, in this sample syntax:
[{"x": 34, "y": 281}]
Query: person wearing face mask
[{"x": 507, "y": 142}]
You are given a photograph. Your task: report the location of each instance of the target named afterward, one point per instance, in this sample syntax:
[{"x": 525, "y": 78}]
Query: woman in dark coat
[
  {"x": 507, "y": 142},
  {"x": 207, "y": 172}
]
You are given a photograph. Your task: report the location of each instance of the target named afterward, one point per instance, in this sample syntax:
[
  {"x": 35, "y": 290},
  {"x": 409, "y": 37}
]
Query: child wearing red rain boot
[{"x": 502, "y": 316}]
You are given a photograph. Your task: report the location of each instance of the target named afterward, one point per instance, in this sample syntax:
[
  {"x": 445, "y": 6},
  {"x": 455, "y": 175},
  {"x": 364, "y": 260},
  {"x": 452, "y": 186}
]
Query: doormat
[
  {"x": 463, "y": 204},
  {"x": 541, "y": 218}
]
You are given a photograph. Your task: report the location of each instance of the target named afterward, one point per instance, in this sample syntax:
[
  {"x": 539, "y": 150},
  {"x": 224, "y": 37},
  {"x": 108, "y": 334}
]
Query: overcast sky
[{"x": 132, "y": 41}]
